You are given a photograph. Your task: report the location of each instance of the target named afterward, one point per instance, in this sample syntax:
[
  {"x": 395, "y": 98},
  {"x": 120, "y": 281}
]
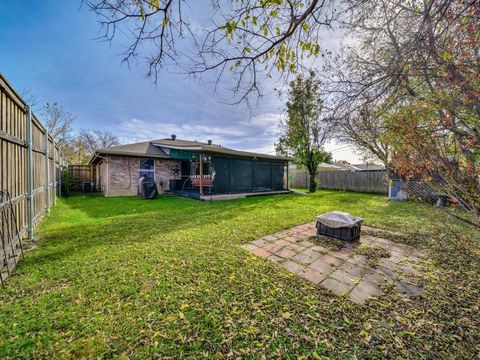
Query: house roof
[
  {"x": 144, "y": 148},
  {"x": 153, "y": 149},
  {"x": 358, "y": 167},
  {"x": 367, "y": 167},
  {"x": 326, "y": 166}
]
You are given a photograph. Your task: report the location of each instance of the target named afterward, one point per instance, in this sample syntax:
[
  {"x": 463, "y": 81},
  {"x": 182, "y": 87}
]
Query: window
[{"x": 147, "y": 168}]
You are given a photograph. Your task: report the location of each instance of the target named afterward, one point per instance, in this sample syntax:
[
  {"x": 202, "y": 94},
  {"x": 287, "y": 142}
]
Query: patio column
[
  {"x": 287, "y": 178},
  {"x": 201, "y": 175}
]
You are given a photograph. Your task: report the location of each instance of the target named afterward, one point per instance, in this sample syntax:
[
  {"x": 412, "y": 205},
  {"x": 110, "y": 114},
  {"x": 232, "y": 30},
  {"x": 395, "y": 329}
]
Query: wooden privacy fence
[
  {"x": 361, "y": 181},
  {"x": 30, "y": 163},
  {"x": 80, "y": 174}
]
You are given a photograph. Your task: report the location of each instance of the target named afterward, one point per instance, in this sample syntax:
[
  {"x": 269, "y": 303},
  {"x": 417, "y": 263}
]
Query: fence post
[
  {"x": 59, "y": 172},
  {"x": 54, "y": 174},
  {"x": 31, "y": 210},
  {"x": 47, "y": 173}
]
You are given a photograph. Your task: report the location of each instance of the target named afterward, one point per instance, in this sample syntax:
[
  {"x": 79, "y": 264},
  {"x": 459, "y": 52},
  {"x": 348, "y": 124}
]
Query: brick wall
[
  {"x": 123, "y": 173},
  {"x": 101, "y": 175},
  {"x": 166, "y": 170}
]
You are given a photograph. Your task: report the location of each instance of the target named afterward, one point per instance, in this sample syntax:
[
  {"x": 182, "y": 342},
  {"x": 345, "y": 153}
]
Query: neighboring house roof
[
  {"x": 367, "y": 167},
  {"x": 325, "y": 166},
  {"x": 359, "y": 167},
  {"x": 153, "y": 149}
]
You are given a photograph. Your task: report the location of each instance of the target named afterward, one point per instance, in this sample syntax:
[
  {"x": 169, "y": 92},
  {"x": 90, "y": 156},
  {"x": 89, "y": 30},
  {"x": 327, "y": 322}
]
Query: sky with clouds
[{"x": 49, "y": 49}]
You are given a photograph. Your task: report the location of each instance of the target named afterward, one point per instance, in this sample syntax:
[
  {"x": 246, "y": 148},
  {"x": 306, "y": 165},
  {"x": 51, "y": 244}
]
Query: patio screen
[{"x": 236, "y": 175}]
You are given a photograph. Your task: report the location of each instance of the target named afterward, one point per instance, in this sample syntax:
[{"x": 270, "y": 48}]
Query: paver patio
[{"x": 342, "y": 271}]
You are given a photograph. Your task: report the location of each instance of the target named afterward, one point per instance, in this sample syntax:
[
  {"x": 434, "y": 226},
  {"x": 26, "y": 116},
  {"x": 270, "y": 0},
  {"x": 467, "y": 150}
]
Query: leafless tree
[
  {"x": 251, "y": 39},
  {"x": 406, "y": 89},
  {"x": 92, "y": 140},
  {"x": 58, "y": 123},
  {"x": 30, "y": 98}
]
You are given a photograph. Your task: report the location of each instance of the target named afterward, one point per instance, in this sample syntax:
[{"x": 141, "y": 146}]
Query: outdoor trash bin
[
  {"x": 147, "y": 189},
  {"x": 339, "y": 225}
]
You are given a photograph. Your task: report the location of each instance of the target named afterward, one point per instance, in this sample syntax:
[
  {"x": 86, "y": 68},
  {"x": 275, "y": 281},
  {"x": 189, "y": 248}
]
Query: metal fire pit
[{"x": 340, "y": 225}]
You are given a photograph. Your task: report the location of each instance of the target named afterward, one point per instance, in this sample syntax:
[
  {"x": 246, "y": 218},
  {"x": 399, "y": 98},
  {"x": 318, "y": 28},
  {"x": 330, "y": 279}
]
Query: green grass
[{"x": 165, "y": 278}]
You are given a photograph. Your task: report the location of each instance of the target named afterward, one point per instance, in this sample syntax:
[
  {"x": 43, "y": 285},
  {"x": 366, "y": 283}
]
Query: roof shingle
[{"x": 153, "y": 149}]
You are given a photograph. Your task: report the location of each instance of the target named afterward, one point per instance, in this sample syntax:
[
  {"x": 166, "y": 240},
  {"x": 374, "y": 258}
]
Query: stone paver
[
  {"x": 259, "y": 242},
  {"x": 376, "y": 278},
  {"x": 306, "y": 257},
  {"x": 313, "y": 275},
  {"x": 363, "y": 291},
  {"x": 293, "y": 266},
  {"x": 273, "y": 248},
  {"x": 342, "y": 271},
  {"x": 261, "y": 252},
  {"x": 340, "y": 255},
  {"x": 270, "y": 238},
  {"x": 359, "y": 260},
  {"x": 296, "y": 247},
  {"x": 249, "y": 247},
  {"x": 283, "y": 242},
  {"x": 306, "y": 243},
  {"x": 345, "y": 277},
  {"x": 275, "y": 258},
  {"x": 321, "y": 266},
  {"x": 329, "y": 259},
  {"x": 285, "y": 253},
  {"x": 337, "y": 287},
  {"x": 292, "y": 239},
  {"x": 353, "y": 269},
  {"x": 320, "y": 249}
]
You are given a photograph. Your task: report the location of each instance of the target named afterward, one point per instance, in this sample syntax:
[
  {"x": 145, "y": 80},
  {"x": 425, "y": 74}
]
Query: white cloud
[
  {"x": 268, "y": 123},
  {"x": 255, "y": 133}
]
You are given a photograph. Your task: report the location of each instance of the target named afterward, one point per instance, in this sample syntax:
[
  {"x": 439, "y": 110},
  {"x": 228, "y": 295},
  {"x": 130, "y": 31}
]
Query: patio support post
[
  {"x": 201, "y": 175},
  {"x": 31, "y": 209},
  {"x": 47, "y": 174},
  {"x": 287, "y": 177}
]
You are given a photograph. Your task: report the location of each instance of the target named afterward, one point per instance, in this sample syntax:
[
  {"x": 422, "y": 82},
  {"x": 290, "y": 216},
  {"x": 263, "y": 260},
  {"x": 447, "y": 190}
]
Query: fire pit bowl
[{"x": 340, "y": 225}]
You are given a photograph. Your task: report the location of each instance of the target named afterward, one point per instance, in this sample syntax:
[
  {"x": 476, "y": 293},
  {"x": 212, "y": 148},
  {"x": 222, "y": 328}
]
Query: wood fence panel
[
  {"x": 14, "y": 149},
  {"x": 361, "y": 181},
  {"x": 297, "y": 178},
  {"x": 80, "y": 174}
]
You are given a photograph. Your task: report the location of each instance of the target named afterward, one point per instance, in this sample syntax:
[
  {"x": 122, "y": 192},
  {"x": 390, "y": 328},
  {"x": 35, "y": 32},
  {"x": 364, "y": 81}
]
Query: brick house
[{"x": 189, "y": 168}]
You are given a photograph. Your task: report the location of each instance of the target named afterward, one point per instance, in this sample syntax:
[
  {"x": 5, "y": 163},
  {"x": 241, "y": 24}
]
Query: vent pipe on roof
[
  {"x": 209, "y": 142},
  {"x": 173, "y": 136}
]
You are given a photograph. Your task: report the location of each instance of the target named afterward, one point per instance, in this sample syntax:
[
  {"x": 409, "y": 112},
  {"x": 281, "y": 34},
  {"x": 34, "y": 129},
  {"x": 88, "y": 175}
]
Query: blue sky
[{"x": 49, "y": 49}]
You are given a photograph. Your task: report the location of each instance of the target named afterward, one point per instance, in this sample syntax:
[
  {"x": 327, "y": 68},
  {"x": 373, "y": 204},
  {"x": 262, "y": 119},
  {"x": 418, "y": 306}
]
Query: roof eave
[
  {"x": 125, "y": 153},
  {"x": 226, "y": 152}
]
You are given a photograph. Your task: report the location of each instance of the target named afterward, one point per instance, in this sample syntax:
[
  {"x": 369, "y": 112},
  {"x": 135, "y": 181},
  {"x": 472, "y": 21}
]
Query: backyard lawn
[{"x": 122, "y": 277}]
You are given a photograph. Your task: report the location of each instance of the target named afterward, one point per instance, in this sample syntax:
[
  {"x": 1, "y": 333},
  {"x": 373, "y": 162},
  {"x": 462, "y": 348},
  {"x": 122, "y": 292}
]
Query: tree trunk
[{"x": 313, "y": 183}]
